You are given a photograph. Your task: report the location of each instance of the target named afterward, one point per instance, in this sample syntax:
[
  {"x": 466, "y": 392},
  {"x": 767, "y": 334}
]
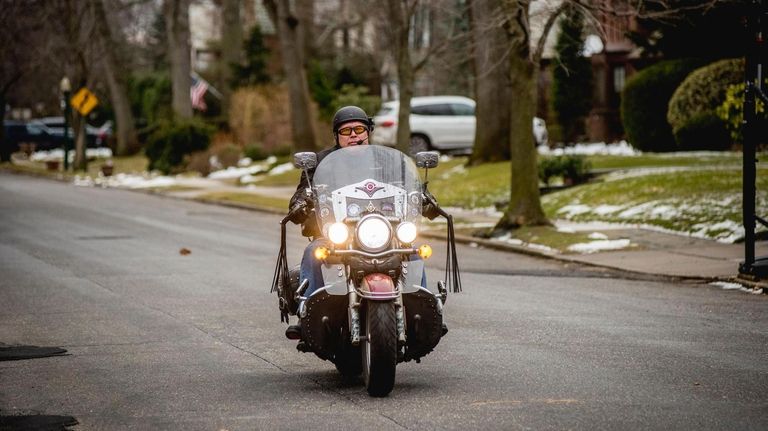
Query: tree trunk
[
  {"x": 492, "y": 85},
  {"x": 289, "y": 33},
  {"x": 524, "y": 204},
  {"x": 127, "y": 142},
  {"x": 399, "y": 26},
  {"x": 5, "y": 147},
  {"x": 231, "y": 47},
  {"x": 305, "y": 12},
  {"x": 78, "y": 123},
  {"x": 176, "y": 15}
]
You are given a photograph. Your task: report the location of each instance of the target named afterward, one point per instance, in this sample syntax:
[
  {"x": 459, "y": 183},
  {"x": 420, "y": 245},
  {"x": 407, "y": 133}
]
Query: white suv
[{"x": 445, "y": 123}]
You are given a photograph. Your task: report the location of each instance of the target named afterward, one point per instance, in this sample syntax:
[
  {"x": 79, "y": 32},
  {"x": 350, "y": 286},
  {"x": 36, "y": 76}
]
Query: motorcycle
[{"x": 373, "y": 310}]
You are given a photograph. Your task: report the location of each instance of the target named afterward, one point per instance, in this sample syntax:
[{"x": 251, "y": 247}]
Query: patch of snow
[
  {"x": 279, "y": 169},
  {"x": 445, "y": 158},
  {"x": 607, "y": 209},
  {"x": 58, "y": 154},
  {"x": 601, "y": 245},
  {"x": 245, "y": 161},
  {"x": 248, "y": 179},
  {"x": 597, "y": 235},
  {"x": 233, "y": 172},
  {"x": 507, "y": 238},
  {"x": 565, "y": 229},
  {"x": 85, "y": 181},
  {"x": 271, "y": 160},
  {"x": 589, "y": 149},
  {"x": 574, "y": 226},
  {"x": 729, "y": 231},
  {"x": 140, "y": 182},
  {"x": 574, "y": 209},
  {"x": 726, "y": 285},
  {"x": 637, "y": 210},
  {"x": 665, "y": 212},
  {"x": 736, "y": 286}
]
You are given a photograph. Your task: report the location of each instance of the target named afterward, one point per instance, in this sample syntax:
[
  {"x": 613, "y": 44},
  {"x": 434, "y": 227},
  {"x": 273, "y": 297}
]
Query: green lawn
[{"x": 705, "y": 202}]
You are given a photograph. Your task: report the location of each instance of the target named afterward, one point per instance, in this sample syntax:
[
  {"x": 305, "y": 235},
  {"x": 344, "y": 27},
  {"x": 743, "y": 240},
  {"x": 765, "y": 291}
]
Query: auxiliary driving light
[
  {"x": 406, "y": 232},
  {"x": 322, "y": 253},
  {"x": 425, "y": 251},
  {"x": 338, "y": 233}
]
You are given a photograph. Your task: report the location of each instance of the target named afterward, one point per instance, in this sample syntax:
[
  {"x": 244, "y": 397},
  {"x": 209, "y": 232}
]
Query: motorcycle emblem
[
  {"x": 370, "y": 208},
  {"x": 369, "y": 188}
]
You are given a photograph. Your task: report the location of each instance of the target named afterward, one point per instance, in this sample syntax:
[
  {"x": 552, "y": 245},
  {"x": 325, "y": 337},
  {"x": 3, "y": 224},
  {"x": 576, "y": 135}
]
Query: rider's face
[{"x": 353, "y": 138}]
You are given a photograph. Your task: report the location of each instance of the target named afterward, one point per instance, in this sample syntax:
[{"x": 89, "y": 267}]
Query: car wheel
[{"x": 419, "y": 143}]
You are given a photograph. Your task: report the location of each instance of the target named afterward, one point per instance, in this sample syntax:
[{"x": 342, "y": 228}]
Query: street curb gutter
[{"x": 496, "y": 245}]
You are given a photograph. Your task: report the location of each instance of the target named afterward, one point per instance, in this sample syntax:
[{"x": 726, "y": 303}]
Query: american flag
[{"x": 197, "y": 91}]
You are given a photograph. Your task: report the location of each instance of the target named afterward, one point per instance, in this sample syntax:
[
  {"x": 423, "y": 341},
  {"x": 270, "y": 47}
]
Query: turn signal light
[
  {"x": 322, "y": 253},
  {"x": 425, "y": 251}
]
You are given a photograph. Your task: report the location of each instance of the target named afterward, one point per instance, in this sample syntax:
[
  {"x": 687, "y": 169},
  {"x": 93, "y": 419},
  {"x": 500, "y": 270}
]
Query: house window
[{"x": 619, "y": 74}]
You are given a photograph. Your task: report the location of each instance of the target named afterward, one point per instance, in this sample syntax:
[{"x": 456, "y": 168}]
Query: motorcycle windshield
[{"x": 366, "y": 179}]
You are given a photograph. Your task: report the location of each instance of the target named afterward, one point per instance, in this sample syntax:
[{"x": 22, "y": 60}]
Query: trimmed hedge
[
  {"x": 692, "y": 111},
  {"x": 171, "y": 141},
  {"x": 645, "y": 100}
]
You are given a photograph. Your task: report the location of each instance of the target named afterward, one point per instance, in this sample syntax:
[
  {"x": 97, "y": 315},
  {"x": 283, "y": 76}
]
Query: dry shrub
[
  {"x": 222, "y": 154},
  {"x": 199, "y": 162},
  {"x": 260, "y": 115},
  {"x": 260, "y": 118},
  {"x": 227, "y": 155}
]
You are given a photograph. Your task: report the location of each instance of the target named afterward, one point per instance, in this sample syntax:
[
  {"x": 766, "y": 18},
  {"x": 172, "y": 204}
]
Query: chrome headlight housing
[{"x": 374, "y": 233}]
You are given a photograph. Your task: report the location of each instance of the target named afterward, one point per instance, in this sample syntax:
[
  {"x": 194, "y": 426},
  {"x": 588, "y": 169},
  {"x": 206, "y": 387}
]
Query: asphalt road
[{"x": 161, "y": 340}]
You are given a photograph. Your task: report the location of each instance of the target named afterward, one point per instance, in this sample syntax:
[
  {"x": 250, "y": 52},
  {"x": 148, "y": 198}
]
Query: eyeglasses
[{"x": 346, "y": 131}]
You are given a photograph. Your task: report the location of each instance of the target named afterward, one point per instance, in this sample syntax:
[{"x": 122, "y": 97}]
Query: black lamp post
[{"x": 66, "y": 89}]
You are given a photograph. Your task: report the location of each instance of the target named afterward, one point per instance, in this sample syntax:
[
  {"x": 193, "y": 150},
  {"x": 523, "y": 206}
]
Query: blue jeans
[{"x": 310, "y": 268}]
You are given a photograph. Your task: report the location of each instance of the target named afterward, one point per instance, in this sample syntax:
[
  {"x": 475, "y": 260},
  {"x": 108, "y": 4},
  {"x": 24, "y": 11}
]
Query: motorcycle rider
[{"x": 351, "y": 126}]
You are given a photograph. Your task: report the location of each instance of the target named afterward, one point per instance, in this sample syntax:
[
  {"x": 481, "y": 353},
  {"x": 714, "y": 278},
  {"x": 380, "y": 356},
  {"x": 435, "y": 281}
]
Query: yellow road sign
[{"x": 84, "y": 101}]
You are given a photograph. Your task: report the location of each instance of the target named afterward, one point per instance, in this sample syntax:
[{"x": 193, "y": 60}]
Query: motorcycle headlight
[
  {"x": 374, "y": 233},
  {"x": 338, "y": 233},
  {"x": 406, "y": 232}
]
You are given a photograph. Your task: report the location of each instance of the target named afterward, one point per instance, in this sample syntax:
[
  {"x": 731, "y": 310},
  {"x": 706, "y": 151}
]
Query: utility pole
[{"x": 66, "y": 89}]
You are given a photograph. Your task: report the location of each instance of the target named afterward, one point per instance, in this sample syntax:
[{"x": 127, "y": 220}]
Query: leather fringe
[
  {"x": 452, "y": 274},
  {"x": 280, "y": 278}
]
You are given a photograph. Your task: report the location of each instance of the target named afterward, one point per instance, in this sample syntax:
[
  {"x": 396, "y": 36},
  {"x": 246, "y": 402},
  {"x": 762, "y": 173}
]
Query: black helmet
[{"x": 351, "y": 113}]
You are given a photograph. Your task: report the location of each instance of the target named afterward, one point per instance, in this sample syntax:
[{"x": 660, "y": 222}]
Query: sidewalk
[{"x": 655, "y": 252}]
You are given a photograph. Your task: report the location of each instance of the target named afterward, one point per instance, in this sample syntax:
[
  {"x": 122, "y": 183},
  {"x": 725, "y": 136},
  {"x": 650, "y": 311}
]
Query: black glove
[
  {"x": 429, "y": 207},
  {"x": 299, "y": 211}
]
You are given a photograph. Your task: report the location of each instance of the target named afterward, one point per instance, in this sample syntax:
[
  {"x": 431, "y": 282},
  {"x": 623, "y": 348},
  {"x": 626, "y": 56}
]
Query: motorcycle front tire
[{"x": 380, "y": 348}]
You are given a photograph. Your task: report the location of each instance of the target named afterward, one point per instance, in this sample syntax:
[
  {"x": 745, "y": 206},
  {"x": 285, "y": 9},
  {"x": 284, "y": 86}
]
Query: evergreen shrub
[
  {"x": 573, "y": 169},
  {"x": 171, "y": 141},
  {"x": 692, "y": 111},
  {"x": 644, "y": 103}
]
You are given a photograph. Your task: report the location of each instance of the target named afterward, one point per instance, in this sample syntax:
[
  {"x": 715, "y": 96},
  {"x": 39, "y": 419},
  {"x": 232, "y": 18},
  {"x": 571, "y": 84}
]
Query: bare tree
[
  {"x": 176, "y": 15},
  {"x": 127, "y": 142},
  {"x": 399, "y": 14},
  {"x": 525, "y": 204},
  {"x": 290, "y": 30},
  {"x": 19, "y": 23},
  {"x": 490, "y": 56},
  {"x": 407, "y": 25},
  {"x": 231, "y": 46}
]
